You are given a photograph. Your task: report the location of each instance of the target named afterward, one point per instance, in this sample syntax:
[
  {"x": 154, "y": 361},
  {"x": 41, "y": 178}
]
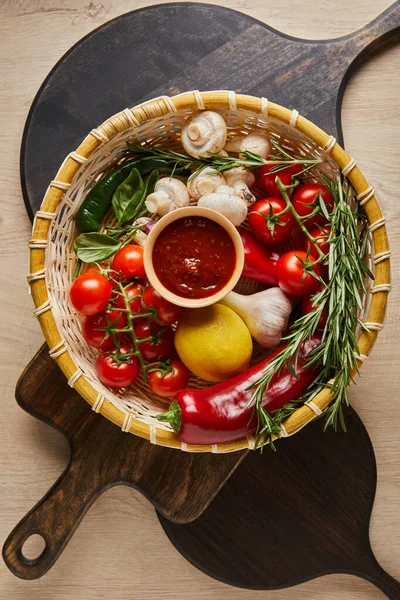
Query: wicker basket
[{"x": 52, "y": 260}]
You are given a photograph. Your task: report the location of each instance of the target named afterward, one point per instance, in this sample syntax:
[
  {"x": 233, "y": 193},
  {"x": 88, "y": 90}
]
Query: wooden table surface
[{"x": 120, "y": 551}]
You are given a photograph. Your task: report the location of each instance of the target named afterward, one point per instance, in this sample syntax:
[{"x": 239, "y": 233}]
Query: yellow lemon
[{"x": 213, "y": 342}]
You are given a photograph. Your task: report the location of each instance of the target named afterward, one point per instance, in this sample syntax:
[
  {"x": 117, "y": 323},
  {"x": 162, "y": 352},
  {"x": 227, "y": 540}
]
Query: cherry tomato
[
  {"x": 292, "y": 278},
  {"x": 117, "y": 373},
  {"x": 134, "y": 293},
  {"x": 168, "y": 384},
  {"x": 94, "y": 328},
  {"x": 161, "y": 346},
  {"x": 307, "y": 307},
  {"x": 90, "y": 292},
  {"x": 308, "y": 195},
  {"x": 265, "y": 225},
  {"x": 129, "y": 262},
  {"x": 321, "y": 235},
  {"x": 167, "y": 313},
  {"x": 267, "y": 179}
]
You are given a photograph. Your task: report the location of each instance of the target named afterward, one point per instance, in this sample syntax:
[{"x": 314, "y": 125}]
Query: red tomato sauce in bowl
[{"x": 194, "y": 257}]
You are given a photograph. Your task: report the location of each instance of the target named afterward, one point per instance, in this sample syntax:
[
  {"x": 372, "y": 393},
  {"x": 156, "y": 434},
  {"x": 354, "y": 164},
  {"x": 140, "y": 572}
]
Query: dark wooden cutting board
[
  {"x": 158, "y": 50},
  {"x": 179, "y": 484},
  {"x": 283, "y": 518},
  {"x": 172, "y": 48}
]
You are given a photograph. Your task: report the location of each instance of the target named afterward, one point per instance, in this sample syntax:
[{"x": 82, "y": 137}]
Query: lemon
[{"x": 213, "y": 342}]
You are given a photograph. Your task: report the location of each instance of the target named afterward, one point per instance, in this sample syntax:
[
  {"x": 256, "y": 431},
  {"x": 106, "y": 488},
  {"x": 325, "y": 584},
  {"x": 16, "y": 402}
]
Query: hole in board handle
[{"x": 33, "y": 548}]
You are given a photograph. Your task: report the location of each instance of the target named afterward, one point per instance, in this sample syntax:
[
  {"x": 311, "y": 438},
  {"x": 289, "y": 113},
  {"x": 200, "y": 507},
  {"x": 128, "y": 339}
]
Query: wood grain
[
  {"x": 179, "y": 484},
  {"x": 33, "y": 36},
  {"x": 292, "y": 515}
]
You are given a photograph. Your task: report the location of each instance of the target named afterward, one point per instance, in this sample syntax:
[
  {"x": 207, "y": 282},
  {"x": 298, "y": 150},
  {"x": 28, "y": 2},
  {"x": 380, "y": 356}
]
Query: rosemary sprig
[
  {"x": 335, "y": 354},
  {"x": 220, "y": 163}
]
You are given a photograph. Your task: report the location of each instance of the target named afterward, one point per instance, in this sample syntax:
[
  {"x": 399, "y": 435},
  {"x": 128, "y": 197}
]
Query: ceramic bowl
[{"x": 193, "y": 211}]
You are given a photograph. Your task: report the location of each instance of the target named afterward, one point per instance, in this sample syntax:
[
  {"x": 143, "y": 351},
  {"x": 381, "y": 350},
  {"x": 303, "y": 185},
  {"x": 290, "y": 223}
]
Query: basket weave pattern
[{"x": 52, "y": 260}]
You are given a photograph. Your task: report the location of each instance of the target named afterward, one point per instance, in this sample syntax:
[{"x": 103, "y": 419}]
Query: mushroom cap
[
  {"x": 239, "y": 173},
  {"x": 226, "y": 203},
  {"x": 254, "y": 142},
  {"x": 203, "y": 133},
  {"x": 206, "y": 182},
  {"x": 176, "y": 190},
  {"x": 169, "y": 193}
]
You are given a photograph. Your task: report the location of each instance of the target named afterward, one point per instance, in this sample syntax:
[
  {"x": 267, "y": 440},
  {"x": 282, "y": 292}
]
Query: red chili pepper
[
  {"x": 221, "y": 413},
  {"x": 259, "y": 261}
]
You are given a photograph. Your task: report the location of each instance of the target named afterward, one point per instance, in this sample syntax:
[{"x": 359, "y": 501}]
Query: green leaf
[
  {"x": 148, "y": 188},
  {"x": 127, "y": 197},
  {"x": 95, "y": 247}
]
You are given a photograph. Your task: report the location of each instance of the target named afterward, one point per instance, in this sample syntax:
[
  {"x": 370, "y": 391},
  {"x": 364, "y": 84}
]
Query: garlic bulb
[{"x": 265, "y": 313}]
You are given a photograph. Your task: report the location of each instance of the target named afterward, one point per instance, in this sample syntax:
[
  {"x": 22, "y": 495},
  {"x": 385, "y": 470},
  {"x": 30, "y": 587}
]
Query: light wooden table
[{"x": 120, "y": 551}]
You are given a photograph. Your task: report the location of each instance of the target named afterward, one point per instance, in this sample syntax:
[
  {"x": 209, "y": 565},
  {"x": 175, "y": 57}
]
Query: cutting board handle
[
  {"x": 55, "y": 519},
  {"x": 367, "y": 567},
  {"x": 377, "y": 32},
  {"x": 385, "y": 582}
]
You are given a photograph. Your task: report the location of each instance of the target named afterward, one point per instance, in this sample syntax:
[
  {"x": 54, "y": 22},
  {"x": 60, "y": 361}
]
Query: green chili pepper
[{"x": 96, "y": 204}]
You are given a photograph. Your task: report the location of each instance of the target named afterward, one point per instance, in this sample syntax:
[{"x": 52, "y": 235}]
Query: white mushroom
[
  {"x": 206, "y": 182},
  {"x": 203, "y": 133},
  {"x": 169, "y": 193},
  {"x": 254, "y": 142},
  {"x": 225, "y": 201},
  {"x": 240, "y": 179}
]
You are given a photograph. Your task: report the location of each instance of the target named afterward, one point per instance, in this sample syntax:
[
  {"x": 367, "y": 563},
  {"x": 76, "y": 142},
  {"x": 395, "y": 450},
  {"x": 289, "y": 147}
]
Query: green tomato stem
[
  {"x": 131, "y": 330},
  {"x": 283, "y": 189}
]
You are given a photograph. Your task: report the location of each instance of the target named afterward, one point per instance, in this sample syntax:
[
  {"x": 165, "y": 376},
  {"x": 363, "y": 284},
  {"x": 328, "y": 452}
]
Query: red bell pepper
[
  {"x": 259, "y": 261},
  {"x": 221, "y": 413}
]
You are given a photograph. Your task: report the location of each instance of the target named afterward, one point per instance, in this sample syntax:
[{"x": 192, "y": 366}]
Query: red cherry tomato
[
  {"x": 116, "y": 371},
  {"x": 160, "y": 347},
  {"x": 321, "y": 235},
  {"x": 307, "y": 307},
  {"x": 168, "y": 384},
  {"x": 90, "y": 292},
  {"x": 308, "y": 195},
  {"x": 94, "y": 328},
  {"x": 267, "y": 179},
  {"x": 134, "y": 293},
  {"x": 265, "y": 225},
  {"x": 129, "y": 262},
  {"x": 292, "y": 277},
  {"x": 167, "y": 313}
]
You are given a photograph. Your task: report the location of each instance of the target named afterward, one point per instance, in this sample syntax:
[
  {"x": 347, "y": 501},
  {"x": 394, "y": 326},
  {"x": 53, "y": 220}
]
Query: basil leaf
[
  {"x": 127, "y": 197},
  {"x": 148, "y": 189},
  {"x": 95, "y": 247}
]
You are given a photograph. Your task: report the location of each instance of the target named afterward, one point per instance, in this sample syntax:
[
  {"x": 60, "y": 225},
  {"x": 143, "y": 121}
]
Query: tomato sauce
[{"x": 194, "y": 257}]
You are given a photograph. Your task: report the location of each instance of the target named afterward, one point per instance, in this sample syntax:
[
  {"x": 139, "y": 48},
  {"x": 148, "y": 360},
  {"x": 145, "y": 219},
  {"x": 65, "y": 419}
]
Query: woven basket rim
[{"x": 133, "y": 117}]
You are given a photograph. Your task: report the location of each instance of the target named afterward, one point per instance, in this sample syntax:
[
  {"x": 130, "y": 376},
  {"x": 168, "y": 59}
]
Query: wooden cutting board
[
  {"x": 153, "y": 51},
  {"x": 286, "y": 517},
  {"x": 179, "y": 484}
]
